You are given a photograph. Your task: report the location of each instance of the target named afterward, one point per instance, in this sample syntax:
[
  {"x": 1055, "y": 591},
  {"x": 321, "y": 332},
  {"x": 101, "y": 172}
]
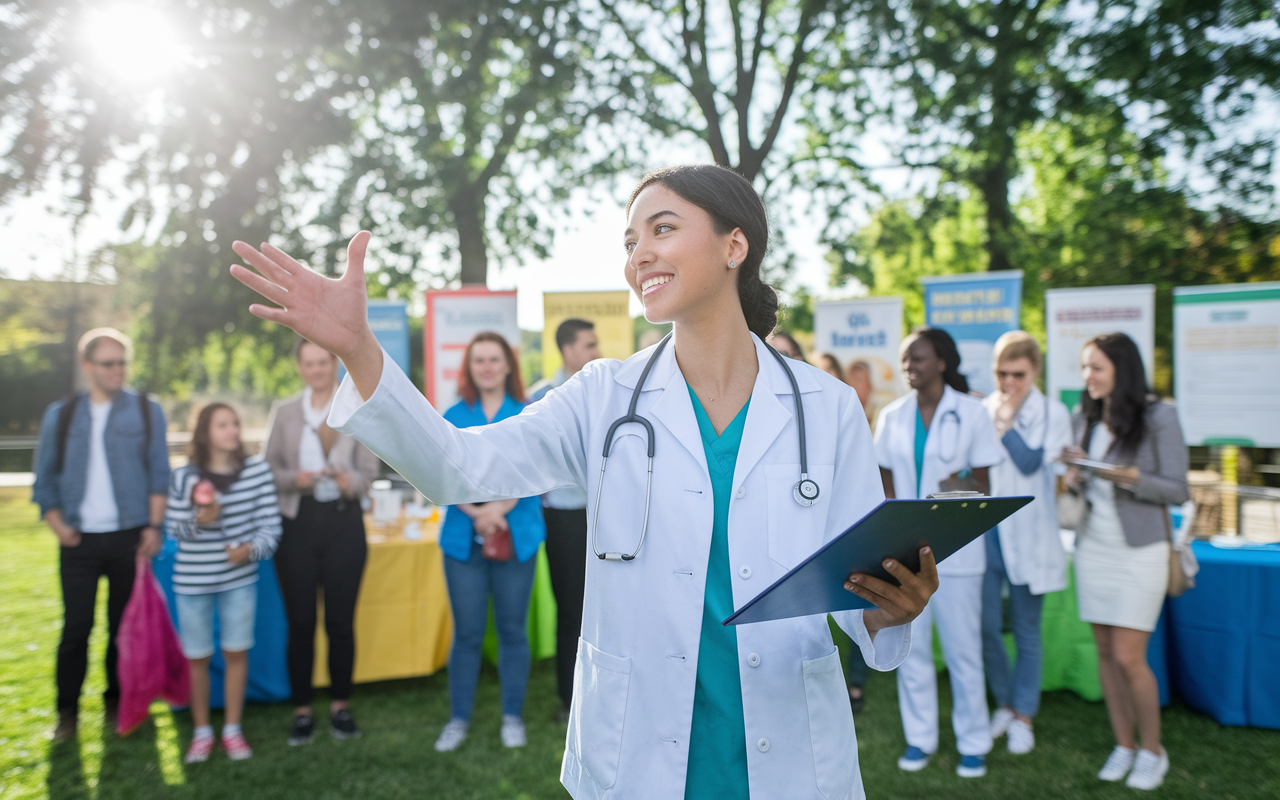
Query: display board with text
[
  {"x": 1074, "y": 316},
  {"x": 975, "y": 308},
  {"x": 453, "y": 318}
]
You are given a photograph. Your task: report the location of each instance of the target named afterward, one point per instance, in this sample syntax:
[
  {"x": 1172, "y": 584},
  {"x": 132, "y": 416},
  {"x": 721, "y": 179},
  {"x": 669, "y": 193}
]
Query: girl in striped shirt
[{"x": 224, "y": 514}]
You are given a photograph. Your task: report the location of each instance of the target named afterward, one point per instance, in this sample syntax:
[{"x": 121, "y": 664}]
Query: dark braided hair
[
  {"x": 731, "y": 202},
  {"x": 945, "y": 348}
]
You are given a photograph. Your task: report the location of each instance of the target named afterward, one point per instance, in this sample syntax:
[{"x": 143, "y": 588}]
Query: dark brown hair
[
  {"x": 731, "y": 202},
  {"x": 944, "y": 347},
  {"x": 467, "y": 388},
  {"x": 1125, "y": 416},
  {"x": 199, "y": 449}
]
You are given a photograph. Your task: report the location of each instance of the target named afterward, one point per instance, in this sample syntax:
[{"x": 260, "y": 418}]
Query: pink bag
[{"x": 151, "y": 663}]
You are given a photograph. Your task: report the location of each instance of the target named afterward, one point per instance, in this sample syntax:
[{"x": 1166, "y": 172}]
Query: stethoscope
[
  {"x": 805, "y": 491},
  {"x": 955, "y": 436}
]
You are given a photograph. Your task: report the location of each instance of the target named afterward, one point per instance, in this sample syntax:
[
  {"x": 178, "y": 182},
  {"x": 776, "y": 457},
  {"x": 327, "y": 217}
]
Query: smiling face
[
  {"x": 677, "y": 263},
  {"x": 921, "y": 364},
  {"x": 1098, "y": 371},
  {"x": 488, "y": 366},
  {"x": 224, "y": 431},
  {"x": 107, "y": 366}
]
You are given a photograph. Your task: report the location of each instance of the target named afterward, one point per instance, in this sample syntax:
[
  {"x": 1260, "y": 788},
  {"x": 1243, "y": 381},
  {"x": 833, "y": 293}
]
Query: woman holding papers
[
  {"x": 668, "y": 702},
  {"x": 1122, "y": 552},
  {"x": 1025, "y": 551},
  {"x": 938, "y": 438}
]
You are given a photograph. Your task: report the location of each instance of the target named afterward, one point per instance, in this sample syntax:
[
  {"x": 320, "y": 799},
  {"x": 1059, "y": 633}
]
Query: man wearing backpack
[{"x": 102, "y": 473}]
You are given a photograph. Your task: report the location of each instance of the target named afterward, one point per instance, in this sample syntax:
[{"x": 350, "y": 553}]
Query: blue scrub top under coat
[
  {"x": 922, "y": 437},
  {"x": 718, "y": 735},
  {"x": 528, "y": 528}
]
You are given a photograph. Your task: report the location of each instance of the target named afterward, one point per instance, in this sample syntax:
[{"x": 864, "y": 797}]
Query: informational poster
[
  {"x": 1226, "y": 363},
  {"x": 608, "y": 310},
  {"x": 453, "y": 318},
  {"x": 1074, "y": 316},
  {"x": 975, "y": 308},
  {"x": 389, "y": 320},
  {"x": 867, "y": 330}
]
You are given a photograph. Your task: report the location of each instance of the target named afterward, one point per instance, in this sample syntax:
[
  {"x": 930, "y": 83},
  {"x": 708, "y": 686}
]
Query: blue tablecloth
[
  {"x": 1223, "y": 643},
  {"x": 268, "y": 671}
]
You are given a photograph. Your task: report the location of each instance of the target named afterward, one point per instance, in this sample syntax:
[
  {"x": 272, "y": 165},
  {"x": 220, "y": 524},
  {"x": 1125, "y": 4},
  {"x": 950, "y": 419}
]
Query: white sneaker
[
  {"x": 1000, "y": 722},
  {"x": 453, "y": 735},
  {"x": 1118, "y": 764},
  {"x": 513, "y": 731},
  {"x": 1148, "y": 770},
  {"x": 1022, "y": 739}
]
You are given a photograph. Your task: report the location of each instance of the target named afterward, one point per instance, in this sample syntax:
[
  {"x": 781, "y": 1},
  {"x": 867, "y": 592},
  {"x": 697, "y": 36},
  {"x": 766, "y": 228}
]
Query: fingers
[
  {"x": 929, "y": 568},
  {"x": 273, "y": 292},
  {"x": 356, "y": 250},
  {"x": 274, "y": 268},
  {"x": 270, "y": 314}
]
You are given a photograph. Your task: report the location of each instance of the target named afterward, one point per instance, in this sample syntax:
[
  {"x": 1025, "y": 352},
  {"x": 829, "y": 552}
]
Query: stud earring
[{"x": 733, "y": 265}]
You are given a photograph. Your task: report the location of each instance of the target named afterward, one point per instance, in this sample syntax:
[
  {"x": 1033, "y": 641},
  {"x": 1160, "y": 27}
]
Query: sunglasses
[
  {"x": 1017, "y": 376},
  {"x": 120, "y": 362}
]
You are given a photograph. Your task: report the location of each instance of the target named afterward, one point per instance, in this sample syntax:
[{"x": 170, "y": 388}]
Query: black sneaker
[
  {"x": 342, "y": 725},
  {"x": 303, "y": 728}
]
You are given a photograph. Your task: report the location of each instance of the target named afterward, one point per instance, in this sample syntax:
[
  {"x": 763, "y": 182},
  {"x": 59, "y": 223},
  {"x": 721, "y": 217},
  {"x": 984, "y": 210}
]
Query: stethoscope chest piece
[{"x": 805, "y": 492}]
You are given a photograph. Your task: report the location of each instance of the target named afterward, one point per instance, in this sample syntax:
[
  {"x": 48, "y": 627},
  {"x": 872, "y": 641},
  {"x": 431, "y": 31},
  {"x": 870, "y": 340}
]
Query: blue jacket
[
  {"x": 137, "y": 470},
  {"x": 528, "y": 528}
]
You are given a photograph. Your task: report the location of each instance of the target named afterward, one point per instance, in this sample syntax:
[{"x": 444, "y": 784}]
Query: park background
[{"x": 494, "y": 143}]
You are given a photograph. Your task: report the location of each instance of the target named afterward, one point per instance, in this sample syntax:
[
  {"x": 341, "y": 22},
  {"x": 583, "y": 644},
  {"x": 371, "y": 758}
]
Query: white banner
[
  {"x": 453, "y": 318},
  {"x": 1074, "y": 316},
  {"x": 867, "y": 330},
  {"x": 1226, "y": 358}
]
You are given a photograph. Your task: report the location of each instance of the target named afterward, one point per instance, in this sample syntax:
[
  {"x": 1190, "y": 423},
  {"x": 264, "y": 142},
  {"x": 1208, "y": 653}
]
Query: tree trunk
[
  {"x": 467, "y": 205},
  {"x": 994, "y": 185}
]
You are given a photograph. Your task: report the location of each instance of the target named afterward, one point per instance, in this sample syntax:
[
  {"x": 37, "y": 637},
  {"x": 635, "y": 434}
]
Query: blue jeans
[
  {"x": 471, "y": 584},
  {"x": 1022, "y": 694},
  {"x": 237, "y": 613}
]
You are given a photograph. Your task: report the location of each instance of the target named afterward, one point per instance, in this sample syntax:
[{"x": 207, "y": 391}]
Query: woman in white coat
[
  {"x": 667, "y": 701},
  {"x": 1025, "y": 551},
  {"x": 938, "y": 438}
]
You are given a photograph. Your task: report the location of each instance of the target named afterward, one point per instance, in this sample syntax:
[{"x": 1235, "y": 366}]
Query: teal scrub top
[
  {"x": 922, "y": 436},
  {"x": 718, "y": 739}
]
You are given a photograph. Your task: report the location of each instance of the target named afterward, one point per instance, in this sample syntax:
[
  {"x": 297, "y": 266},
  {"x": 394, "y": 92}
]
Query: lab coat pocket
[
  {"x": 835, "y": 747},
  {"x": 600, "y": 688},
  {"x": 796, "y": 531}
]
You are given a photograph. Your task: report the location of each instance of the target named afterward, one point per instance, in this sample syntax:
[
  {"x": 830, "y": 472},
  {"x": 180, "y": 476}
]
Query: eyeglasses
[
  {"x": 117, "y": 363},
  {"x": 1017, "y": 376}
]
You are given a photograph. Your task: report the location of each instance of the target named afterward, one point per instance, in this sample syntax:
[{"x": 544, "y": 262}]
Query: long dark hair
[
  {"x": 514, "y": 385},
  {"x": 945, "y": 348},
  {"x": 1125, "y": 415},
  {"x": 198, "y": 450},
  {"x": 731, "y": 202}
]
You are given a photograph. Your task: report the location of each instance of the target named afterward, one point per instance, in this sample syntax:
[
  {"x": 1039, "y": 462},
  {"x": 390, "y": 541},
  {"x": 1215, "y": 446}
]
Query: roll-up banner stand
[
  {"x": 1074, "y": 316},
  {"x": 608, "y": 310},
  {"x": 453, "y": 318},
  {"x": 1226, "y": 360},
  {"x": 975, "y": 308},
  {"x": 867, "y": 330},
  {"x": 389, "y": 320}
]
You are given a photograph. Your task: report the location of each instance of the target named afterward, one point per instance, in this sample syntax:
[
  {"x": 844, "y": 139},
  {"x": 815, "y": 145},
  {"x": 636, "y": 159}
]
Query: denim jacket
[{"x": 137, "y": 471}]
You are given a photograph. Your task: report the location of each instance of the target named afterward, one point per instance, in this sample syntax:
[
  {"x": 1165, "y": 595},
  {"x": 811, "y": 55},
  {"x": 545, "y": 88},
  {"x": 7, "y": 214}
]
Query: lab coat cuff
[
  {"x": 888, "y": 650},
  {"x": 349, "y": 409}
]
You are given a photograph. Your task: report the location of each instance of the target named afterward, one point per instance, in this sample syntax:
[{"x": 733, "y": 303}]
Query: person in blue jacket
[{"x": 489, "y": 551}]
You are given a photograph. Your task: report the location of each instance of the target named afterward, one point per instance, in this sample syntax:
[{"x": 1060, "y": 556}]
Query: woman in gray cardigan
[
  {"x": 1122, "y": 551},
  {"x": 320, "y": 477}
]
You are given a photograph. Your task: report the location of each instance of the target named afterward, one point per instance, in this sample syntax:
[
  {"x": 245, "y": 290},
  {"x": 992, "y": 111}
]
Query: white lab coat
[
  {"x": 641, "y": 626},
  {"x": 1029, "y": 540},
  {"x": 960, "y": 436}
]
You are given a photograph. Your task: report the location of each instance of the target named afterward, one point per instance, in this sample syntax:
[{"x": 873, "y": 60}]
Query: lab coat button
[
  {"x": 744, "y": 571},
  {"x": 754, "y": 659},
  {"x": 763, "y": 744},
  {"x": 742, "y": 492}
]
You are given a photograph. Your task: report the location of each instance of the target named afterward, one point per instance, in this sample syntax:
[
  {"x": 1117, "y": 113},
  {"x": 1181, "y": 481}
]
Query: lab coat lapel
[
  {"x": 673, "y": 409},
  {"x": 766, "y": 417}
]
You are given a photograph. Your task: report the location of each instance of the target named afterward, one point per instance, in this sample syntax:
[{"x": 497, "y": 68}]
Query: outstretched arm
[{"x": 327, "y": 312}]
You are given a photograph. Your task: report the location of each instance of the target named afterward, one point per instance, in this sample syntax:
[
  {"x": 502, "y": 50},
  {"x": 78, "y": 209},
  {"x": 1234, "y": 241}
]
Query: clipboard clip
[{"x": 953, "y": 495}]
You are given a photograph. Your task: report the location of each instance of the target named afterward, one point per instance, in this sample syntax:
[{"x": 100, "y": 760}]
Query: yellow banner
[{"x": 608, "y": 310}]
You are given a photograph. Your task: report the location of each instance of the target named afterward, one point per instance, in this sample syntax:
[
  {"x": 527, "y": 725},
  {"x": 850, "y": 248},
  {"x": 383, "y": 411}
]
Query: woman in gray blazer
[
  {"x": 321, "y": 476},
  {"x": 1122, "y": 550}
]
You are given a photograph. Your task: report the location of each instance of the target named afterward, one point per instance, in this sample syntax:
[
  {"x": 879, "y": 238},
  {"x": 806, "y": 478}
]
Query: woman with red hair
[{"x": 489, "y": 551}]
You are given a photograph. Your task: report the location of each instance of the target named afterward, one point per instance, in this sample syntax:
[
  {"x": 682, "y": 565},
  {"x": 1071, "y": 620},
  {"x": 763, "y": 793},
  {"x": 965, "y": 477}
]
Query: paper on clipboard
[{"x": 894, "y": 529}]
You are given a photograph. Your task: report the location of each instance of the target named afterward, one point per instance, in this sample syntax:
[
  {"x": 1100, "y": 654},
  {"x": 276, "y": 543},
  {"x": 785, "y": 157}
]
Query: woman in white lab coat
[
  {"x": 938, "y": 438},
  {"x": 659, "y": 680},
  {"x": 1025, "y": 551}
]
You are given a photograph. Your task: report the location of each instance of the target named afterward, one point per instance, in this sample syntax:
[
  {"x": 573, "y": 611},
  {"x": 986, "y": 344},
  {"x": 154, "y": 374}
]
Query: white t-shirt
[{"x": 98, "y": 510}]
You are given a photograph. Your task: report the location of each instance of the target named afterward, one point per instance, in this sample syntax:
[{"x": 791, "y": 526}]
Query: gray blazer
[
  {"x": 284, "y": 435},
  {"x": 1161, "y": 458}
]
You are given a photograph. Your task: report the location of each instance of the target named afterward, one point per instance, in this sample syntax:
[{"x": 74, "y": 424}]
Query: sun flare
[{"x": 134, "y": 42}]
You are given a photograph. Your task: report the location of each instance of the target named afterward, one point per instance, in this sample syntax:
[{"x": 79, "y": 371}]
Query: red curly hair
[{"x": 514, "y": 386}]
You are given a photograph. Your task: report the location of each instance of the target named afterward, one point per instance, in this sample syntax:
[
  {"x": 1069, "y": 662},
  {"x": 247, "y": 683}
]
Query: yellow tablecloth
[{"x": 403, "y": 626}]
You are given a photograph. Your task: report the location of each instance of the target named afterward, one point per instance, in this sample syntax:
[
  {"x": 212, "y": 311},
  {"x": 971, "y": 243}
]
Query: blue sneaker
[
  {"x": 913, "y": 760},
  {"x": 972, "y": 766}
]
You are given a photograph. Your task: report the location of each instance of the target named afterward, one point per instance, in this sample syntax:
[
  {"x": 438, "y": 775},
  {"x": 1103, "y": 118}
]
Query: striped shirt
[{"x": 249, "y": 514}]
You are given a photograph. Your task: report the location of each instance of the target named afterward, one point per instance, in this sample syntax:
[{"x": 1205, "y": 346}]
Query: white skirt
[{"x": 1120, "y": 585}]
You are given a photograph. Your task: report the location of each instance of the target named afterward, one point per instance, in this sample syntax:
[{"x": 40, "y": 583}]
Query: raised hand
[{"x": 330, "y": 313}]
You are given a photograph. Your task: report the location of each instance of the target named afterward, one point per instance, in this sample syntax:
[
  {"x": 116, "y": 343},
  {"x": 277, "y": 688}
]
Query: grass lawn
[{"x": 402, "y": 718}]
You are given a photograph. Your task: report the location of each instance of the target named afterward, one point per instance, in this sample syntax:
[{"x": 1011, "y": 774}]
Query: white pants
[{"x": 957, "y": 609}]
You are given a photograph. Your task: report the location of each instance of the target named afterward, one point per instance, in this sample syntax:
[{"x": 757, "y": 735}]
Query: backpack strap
[
  {"x": 145, "y": 407},
  {"x": 65, "y": 415}
]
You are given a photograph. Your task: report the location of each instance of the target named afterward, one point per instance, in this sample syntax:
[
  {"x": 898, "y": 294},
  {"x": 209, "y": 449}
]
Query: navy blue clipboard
[{"x": 894, "y": 529}]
